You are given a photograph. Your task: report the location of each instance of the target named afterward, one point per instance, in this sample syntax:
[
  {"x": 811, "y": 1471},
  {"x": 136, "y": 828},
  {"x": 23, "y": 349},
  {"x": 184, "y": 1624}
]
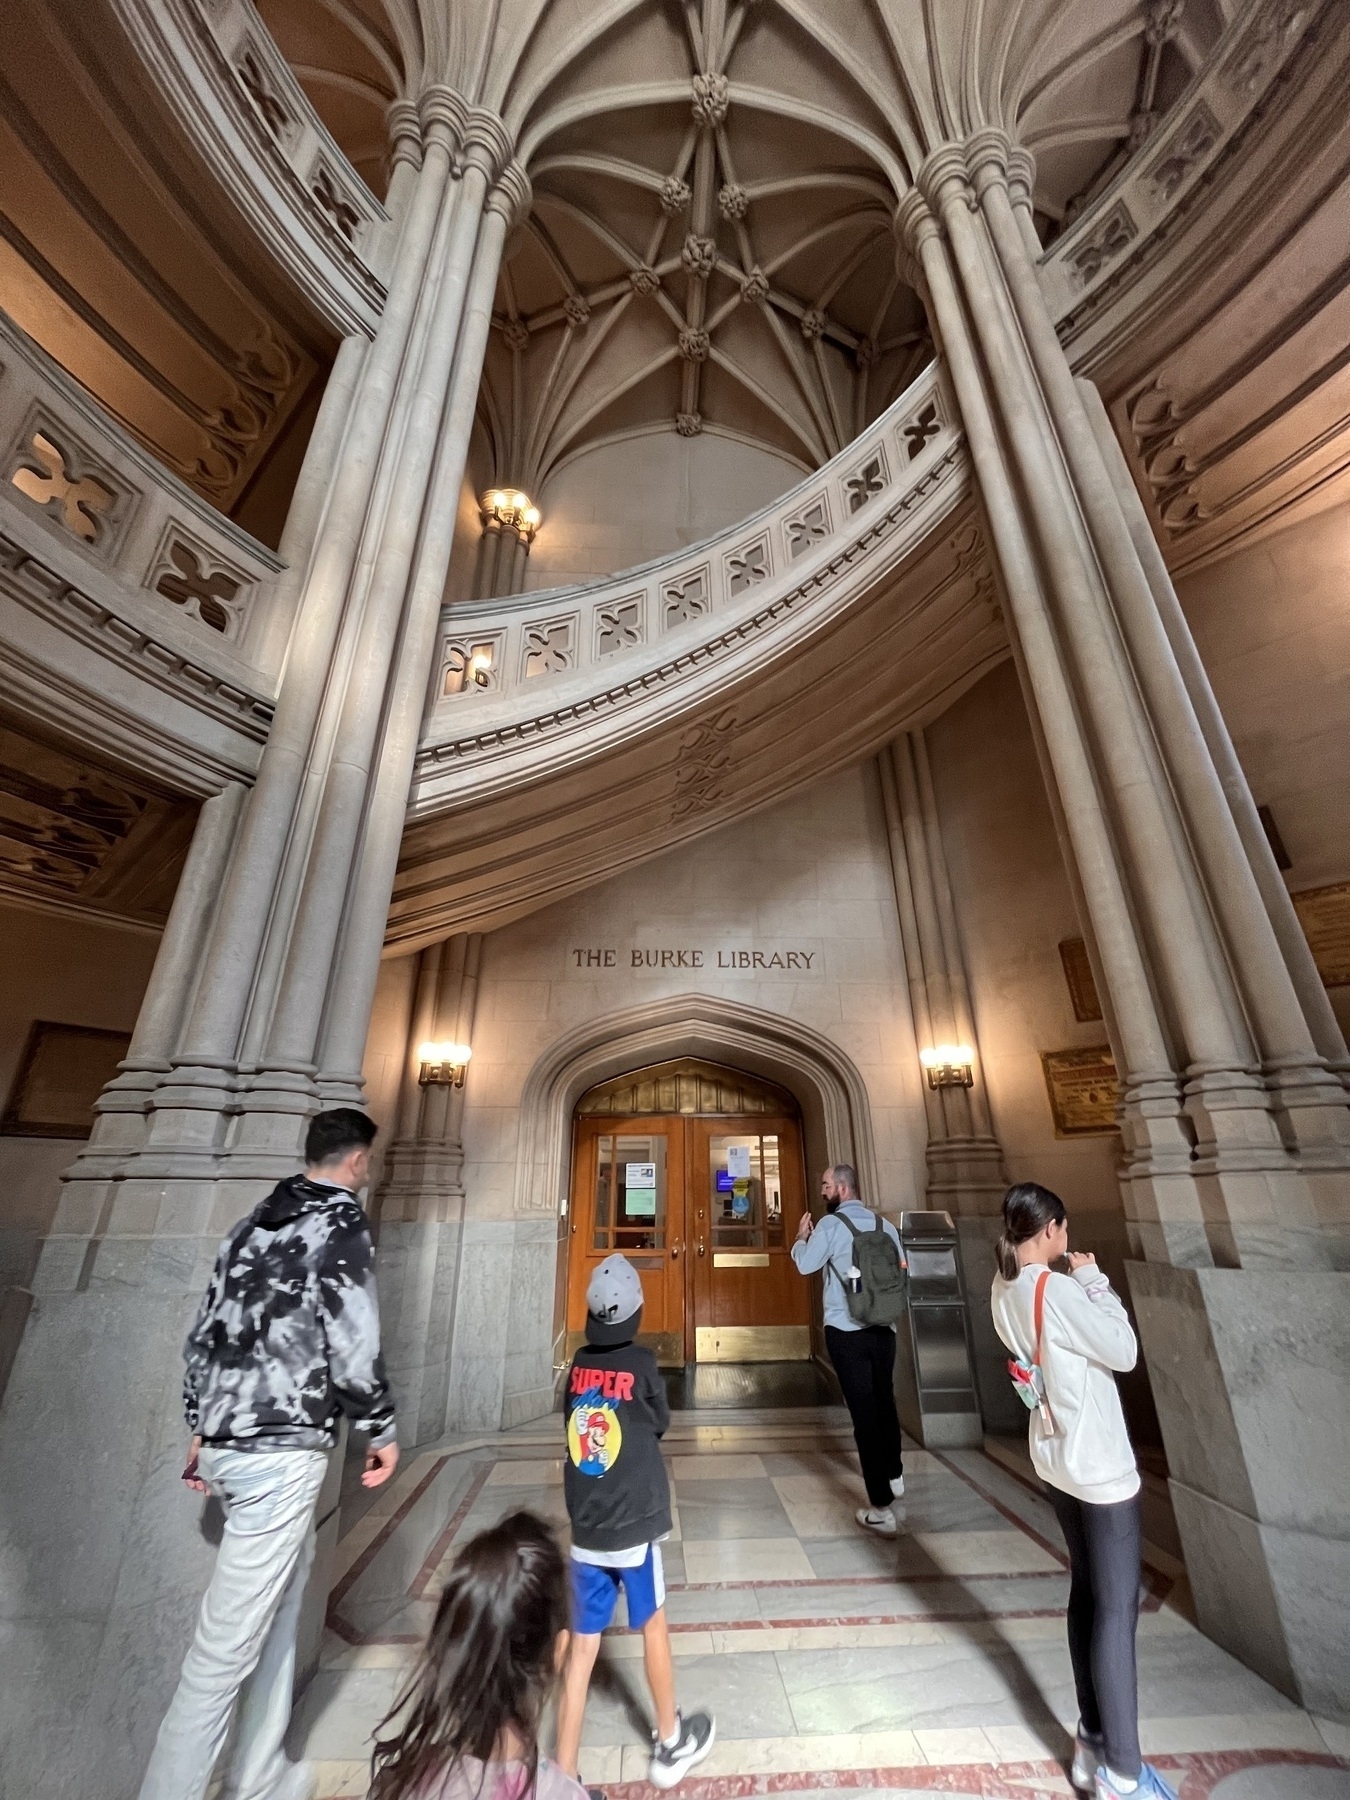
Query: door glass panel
[
  {"x": 745, "y": 1191},
  {"x": 630, "y": 1192}
]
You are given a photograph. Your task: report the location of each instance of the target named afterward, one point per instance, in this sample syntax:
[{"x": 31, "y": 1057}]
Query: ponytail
[{"x": 1027, "y": 1209}]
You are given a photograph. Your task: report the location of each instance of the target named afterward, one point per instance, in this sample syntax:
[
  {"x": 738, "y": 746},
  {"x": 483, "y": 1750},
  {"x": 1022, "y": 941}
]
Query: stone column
[
  {"x": 283, "y": 974},
  {"x": 1234, "y": 1124},
  {"x": 421, "y": 1199},
  {"x": 965, "y": 1162}
]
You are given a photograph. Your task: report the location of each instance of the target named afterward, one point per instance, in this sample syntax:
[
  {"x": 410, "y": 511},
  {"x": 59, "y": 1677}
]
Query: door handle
[
  {"x": 674, "y": 1251},
  {"x": 700, "y": 1247}
]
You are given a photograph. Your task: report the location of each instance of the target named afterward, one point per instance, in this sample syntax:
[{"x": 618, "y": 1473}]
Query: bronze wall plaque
[
  {"x": 1324, "y": 914},
  {"x": 1078, "y": 973},
  {"x": 1084, "y": 1090}
]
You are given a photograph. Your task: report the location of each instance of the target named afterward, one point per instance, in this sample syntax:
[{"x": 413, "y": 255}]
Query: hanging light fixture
[{"x": 512, "y": 509}]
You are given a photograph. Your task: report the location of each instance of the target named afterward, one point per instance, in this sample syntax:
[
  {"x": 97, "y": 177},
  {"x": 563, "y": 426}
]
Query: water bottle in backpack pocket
[{"x": 876, "y": 1287}]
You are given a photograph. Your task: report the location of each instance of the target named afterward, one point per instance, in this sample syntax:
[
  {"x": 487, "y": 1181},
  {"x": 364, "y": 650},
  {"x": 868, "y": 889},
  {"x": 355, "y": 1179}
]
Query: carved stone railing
[
  {"x": 124, "y": 597},
  {"x": 619, "y": 717},
  {"x": 1089, "y": 268},
  {"x": 237, "y": 99},
  {"x": 508, "y": 667}
]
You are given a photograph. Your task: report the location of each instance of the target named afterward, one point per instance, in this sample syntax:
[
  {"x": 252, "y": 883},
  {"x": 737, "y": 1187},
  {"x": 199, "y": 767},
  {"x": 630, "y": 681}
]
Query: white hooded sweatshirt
[{"x": 1086, "y": 1334}]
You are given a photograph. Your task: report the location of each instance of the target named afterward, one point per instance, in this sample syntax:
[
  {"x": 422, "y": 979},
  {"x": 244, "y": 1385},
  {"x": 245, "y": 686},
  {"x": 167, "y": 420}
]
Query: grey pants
[{"x": 1103, "y": 1543}]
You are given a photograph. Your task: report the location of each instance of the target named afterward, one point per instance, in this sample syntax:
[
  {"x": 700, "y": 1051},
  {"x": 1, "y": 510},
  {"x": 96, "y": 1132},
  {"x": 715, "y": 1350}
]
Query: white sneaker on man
[{"x": 879, "y": 1519}]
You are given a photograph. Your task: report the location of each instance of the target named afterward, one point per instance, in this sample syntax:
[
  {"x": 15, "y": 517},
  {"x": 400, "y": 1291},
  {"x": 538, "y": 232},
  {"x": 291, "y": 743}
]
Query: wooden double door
[{"x": 706, "y": 1209}]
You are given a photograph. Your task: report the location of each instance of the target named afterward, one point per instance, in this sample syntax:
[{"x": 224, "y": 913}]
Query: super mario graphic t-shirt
[{"x": 618, "y": 1496}]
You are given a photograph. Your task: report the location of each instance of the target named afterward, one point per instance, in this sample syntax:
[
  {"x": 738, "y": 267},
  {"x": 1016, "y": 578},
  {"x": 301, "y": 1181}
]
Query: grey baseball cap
[{"x": 615, "y": 1291}]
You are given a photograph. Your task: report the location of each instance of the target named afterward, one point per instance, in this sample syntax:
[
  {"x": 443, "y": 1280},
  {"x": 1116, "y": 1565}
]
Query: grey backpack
[{"x": 884, "y": 1288}]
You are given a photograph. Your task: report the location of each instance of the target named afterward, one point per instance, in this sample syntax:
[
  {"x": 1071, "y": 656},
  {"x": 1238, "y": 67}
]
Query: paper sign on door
[
  {"x": 639, "y": 1181},
  {"x": 738, "y": 1161}
]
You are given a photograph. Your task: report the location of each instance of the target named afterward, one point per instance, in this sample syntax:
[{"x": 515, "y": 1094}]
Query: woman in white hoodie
[{"x": 1073, "y": 1329}]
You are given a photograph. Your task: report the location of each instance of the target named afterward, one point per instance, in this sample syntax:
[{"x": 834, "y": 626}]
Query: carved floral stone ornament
[
  {"x": 693, "y": 345},
  {"x": 712, "y": 97},
  {"x": 689, "y": 424},
  {"x": 732, "y": 201},
  {"x": 577, "y": 309},
  {"x": 675, "y": 195},
  {"x": 813, "y": 323},
  {"x": 643, "y": 280},
  {"x": 698, "y": 255},
  {"x": 517, "y": 334},
  {"x": 755, "y": 287}
]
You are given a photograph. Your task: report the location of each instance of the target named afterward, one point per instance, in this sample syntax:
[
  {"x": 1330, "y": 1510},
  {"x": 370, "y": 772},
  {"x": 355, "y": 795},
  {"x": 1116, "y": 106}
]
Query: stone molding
[
  {"x": 241, "y": 106},
  {"x": 826, "y": 1082}
]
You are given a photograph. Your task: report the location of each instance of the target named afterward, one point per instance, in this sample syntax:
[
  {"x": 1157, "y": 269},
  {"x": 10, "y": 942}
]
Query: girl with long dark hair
[
  {"x": 466, "y": 1726},
  {"x": 1068, "y": 1335}
]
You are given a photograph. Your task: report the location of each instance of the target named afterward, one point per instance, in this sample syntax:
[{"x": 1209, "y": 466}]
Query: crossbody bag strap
[{"x": 1039, "y": 1311}]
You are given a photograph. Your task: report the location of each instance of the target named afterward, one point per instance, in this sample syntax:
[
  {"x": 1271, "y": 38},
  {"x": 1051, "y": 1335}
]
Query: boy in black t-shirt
[{"x": 618, "y": 1501}]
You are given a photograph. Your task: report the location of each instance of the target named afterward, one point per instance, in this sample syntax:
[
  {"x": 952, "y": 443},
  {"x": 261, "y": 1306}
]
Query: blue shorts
[{"x": 595, "y": 1591}]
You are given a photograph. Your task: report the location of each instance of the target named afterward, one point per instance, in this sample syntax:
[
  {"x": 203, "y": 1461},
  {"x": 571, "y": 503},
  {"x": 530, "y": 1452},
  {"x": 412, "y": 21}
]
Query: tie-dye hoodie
[{"x": 288, "y": 1335}]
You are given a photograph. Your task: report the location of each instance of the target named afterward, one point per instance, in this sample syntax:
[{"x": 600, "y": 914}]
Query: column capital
[
  {"x": 443, "y": 113},
  {"x": 512, "y": 195},
  {"x": 915, "y": 223},
  {"x": 988, "y": 156},
  {"x": 488, "y": 144},
  {"x": 942, "y": 177},
  {"x": 405, "y": 134}
]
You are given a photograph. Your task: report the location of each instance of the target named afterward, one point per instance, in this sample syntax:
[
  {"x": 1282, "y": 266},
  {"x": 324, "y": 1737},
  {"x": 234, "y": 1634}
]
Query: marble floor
[{"x": 934, "y": 1662}]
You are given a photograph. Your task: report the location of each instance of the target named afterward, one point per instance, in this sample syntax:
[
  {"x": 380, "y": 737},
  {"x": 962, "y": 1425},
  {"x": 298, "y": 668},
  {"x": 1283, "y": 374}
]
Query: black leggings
[
  {"x": 1103, "y": 1544},
  {"x": 864, "y": 1361}
]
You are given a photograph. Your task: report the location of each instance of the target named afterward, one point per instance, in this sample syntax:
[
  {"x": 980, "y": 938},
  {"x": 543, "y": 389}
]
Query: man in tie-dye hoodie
[{"x": 286, "y": 1342}]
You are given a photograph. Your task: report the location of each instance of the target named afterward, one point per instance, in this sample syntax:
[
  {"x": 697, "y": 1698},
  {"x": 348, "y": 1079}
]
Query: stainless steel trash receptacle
[{"x": 935, "y": 1371}]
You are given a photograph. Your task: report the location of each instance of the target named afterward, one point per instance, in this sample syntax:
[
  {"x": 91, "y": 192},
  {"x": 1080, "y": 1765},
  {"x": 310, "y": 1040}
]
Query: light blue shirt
[{"x": 832, "y": 1243}]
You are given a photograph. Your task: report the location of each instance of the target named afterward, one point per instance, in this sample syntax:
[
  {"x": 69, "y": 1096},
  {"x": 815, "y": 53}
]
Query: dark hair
[
  {"x": 333, "y": 1133},
  {"x": 1027, "y": 1209},
  {"x": 487, "y": 1664}
]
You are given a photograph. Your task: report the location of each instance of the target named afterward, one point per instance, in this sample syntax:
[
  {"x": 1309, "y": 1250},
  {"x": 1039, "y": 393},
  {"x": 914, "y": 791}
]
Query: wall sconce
[
  {"x": 949, "y": 1065},
  {"x": 443, "y": 1065},
  {"x": 509, "y": 507},
  {"x": 480, "y": 668}
]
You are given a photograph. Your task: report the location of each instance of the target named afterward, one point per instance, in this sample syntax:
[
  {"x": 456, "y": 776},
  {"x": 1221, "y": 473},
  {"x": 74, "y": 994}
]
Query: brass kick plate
[
  {"x": 753, "y": 1343},
  {"x": 740, "y": 1259}
]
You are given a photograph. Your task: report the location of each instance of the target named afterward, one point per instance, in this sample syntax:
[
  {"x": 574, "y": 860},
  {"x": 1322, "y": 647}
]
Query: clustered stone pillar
[
  {"x": 1234, "y": 1113},
  {"x": 965, "y": 1161},
  {"x": 420, "y": 1205},
  {"x": 260, "y": 1001}
]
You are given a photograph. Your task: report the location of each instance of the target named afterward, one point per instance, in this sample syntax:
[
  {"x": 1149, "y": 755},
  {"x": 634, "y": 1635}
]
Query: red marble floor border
[{"x": 1195, "y": 1775}]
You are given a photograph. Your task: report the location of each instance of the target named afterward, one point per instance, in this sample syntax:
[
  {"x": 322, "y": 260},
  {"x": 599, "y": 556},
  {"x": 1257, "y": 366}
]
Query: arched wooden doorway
[{"x": 694, "y": 1171}]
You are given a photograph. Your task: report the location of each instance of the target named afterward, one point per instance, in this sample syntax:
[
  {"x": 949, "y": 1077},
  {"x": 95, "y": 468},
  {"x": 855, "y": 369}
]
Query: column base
[{"x": 1251, "y": 1377}]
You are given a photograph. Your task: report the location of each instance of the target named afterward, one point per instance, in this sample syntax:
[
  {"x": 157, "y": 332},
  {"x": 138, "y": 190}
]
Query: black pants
[
  {"x": 864, "y": 1361},
  {"x": 1103, "y": 1543}
]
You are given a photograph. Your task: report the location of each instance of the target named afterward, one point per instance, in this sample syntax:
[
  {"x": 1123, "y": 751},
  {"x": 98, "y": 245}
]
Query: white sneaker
[
  {"x": 898, "y": 1486},
  {"x": 877, "y": 1518},
  {"x": 1087, "y": 1753},
  {"x": 672, "y": 1762}
]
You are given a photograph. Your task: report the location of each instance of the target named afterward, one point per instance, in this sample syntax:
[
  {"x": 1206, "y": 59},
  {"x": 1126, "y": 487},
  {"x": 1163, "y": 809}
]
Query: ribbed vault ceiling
[{"x": 710, "y": 242}]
